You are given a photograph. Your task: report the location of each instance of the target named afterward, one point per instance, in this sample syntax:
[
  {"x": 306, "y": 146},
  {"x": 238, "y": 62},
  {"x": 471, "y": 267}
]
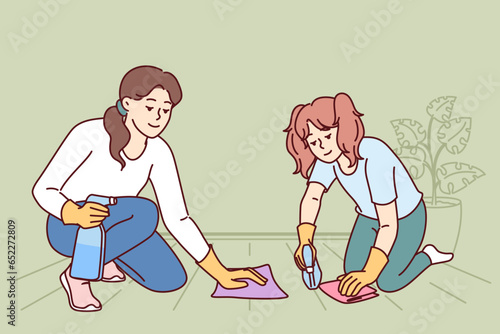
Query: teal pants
[{"x": 405, "y": 262}]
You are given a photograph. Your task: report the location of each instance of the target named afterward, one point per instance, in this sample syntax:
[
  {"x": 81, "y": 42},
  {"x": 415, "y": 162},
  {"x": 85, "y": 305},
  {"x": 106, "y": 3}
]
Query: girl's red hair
[{"x": 324, "y": 113}]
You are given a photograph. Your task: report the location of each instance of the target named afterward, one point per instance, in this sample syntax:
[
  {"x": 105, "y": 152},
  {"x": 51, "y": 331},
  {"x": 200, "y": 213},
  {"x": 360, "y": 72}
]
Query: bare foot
[
  {"x": 79, "y": 294},
  {"x": 112, "y": 273}
]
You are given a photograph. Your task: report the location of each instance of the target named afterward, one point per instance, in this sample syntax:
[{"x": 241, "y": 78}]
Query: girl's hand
[
  {"x": 305, "y": 233},
  {"x": 299, "y": 257},
  {"x": 88, "y": 215},
  {"x": 352, "y": 282}
]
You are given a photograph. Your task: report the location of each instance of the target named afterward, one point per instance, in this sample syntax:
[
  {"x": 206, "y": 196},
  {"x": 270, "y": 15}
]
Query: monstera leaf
[
  {"x": 441, "y": 107},
  {"x": 455, "y": 134},
  {"x": 455, "y": 176},
  {"x": 409, "y": 132},
  {"x": 414, "y": 160}
]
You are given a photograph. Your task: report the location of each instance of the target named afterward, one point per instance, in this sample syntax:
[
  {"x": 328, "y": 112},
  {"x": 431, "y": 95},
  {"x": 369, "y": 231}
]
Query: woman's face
[
  {"x": 323, "y": 143},
  {"x": 149, "y": 115}
]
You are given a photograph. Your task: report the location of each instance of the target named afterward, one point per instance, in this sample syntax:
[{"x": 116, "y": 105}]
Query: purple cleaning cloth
[{"x": 253, "y": 291}]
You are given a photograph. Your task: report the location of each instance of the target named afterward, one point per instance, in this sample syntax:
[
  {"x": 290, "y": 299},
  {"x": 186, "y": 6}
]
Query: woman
[
  {"x": 327, "y": 136},
  {"x": 116, "y": 156}
]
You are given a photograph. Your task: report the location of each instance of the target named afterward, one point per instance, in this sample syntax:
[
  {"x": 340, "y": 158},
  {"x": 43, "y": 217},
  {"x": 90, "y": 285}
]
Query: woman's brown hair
[{"x": 137, "y": 83}]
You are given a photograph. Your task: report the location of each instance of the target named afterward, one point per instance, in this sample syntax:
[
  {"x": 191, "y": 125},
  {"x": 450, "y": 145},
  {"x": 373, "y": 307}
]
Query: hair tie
[{"x": 120, "y": 108}]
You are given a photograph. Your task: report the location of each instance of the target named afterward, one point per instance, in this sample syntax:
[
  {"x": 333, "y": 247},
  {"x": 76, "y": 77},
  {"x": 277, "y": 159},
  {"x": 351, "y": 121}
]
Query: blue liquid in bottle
[
  {"x": 312, "y": 275},
  {"x": 88, "y": 255}
]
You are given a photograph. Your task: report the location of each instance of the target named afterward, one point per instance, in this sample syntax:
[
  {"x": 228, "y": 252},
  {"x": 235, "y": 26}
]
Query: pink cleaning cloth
[
  {"x": 270, "y": 290},
  {"x": 332, "y": 289}
]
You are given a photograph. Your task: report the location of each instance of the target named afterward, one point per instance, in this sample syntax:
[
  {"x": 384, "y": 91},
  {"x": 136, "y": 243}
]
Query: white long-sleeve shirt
[{"x": 83, "y": 165}]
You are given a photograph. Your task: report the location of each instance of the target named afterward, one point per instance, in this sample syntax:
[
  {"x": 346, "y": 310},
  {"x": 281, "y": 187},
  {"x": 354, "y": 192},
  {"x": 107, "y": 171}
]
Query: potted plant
[{"x": 421, "y": 149}]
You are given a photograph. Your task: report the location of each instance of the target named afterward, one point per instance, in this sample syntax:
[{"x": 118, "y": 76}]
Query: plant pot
[{"x": 444, "y": 220}]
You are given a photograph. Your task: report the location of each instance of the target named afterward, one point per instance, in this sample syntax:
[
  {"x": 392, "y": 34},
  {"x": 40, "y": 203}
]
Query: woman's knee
[
  {"x": 147, "y": 209},
  {"x": 144, "y": 211},
  {"x": 154, "y": 265},
  {"x": 148, "y": 214},
  {"x": 170, "y": 279}
]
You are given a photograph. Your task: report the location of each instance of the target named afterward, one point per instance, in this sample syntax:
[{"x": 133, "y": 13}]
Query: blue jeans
[
  {"x": 404, "y": 264},
  {"x": 131, "y": 241}
]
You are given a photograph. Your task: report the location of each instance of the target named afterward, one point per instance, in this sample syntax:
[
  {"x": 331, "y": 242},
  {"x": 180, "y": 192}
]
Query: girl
[
  {"x": 327, "y": 137},
  {"x": 116, "y": 156}
]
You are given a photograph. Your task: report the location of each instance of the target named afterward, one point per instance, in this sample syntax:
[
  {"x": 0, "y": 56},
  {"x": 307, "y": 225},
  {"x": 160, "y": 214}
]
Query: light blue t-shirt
[{"x": 378, "y": 179}]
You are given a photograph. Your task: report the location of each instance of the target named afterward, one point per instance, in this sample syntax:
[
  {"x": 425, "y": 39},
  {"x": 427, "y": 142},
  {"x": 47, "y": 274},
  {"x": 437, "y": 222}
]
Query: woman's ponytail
[{"x": 118, "y": 133}]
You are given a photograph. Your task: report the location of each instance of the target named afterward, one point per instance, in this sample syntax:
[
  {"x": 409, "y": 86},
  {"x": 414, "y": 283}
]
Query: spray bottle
[
  {"x": 88, "y": 255},
  {"x": 312, "y": 275}
]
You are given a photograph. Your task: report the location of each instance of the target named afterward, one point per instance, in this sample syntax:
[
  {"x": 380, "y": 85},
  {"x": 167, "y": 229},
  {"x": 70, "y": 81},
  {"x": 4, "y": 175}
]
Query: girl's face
[
  {"x": 323, "y": 143},
  {"x": 149, "y": 115}
]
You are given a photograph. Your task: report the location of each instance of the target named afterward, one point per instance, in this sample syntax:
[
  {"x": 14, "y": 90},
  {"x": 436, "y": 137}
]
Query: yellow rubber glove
[
  {"x": 305, "y": 232},
  {"x": 228, "y": 277},
  {"x": 88, "y": 215},
  {"x": 351, "y": 283}
]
